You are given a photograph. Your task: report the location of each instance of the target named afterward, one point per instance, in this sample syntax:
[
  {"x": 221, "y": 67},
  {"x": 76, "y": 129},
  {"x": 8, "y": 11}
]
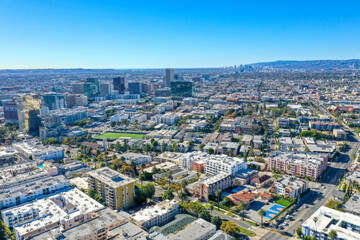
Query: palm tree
[
  {"x": 142, "y": 167},
  {"x": 218, "y": 195},
  {"x": 182, "y": 196},
  {"x": 211, "y": 208},
  {"x": 241, "y": 208},
  {"x": 262, "y": 213},
  {"x": 333, "y": 234},
  {"x": 315, "y": 219}
]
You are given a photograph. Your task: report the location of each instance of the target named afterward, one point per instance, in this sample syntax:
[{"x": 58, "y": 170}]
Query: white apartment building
[
  {"x": 65, "y": 210},
  {"x": 119, "y": 117},
  {"x": 33, "y": 190},
  {"x": 186, "y": 159},
  {"x": 197, "y": 230},
  {"x": 167, "y": 118},
  {"x": 346, "y": 225},
  {"x": 136, "y": 157},
  {"x": 222, "y": 163},
  {"x": 139, "y": 118},
  {"x": 37, "y": 150},
  {"x": 157, "y": 215},
  {"x": 283, "y": 122},
  {"x": 290, "y": 187},
  {"x": 18, "y": 174}
]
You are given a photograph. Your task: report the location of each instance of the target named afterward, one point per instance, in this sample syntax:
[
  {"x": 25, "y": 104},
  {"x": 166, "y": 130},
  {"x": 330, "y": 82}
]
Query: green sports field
[
  {"x": 113, "y": 135},
  {"x": 283, "y": 202}
]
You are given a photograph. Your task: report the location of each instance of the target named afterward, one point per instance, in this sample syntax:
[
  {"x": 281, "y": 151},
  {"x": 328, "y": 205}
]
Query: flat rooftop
[{"x": 111, "y": 177}]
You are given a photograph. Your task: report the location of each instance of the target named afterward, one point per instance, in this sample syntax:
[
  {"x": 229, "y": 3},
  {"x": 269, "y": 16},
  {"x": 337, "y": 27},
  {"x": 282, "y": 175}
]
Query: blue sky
[{"x": 158, "y": 34}]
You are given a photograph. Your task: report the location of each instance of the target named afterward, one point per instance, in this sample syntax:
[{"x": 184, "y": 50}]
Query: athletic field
[{"x": 113, "y": 135}]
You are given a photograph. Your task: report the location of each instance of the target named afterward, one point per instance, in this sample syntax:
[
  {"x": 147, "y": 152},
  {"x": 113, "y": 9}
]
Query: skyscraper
[
  {"x": 54, "y": 101},
  {"x": 182, "y": 89},
  {"x": 28, "y": 112},
  {"x": 91, "y": 87},
  {"x": 78, "y": 88},
  {"x": 11, "y": 112},
  {"x": 135, "y": 88},
  {"x": 105, "y": 89},
  {"x": 169, "y": 77},
  {"x": 119, "y": 84}
]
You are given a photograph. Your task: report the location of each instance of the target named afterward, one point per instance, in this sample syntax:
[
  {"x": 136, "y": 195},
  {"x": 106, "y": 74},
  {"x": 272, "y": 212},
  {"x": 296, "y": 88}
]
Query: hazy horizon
[{"x": 143, "y": 34}]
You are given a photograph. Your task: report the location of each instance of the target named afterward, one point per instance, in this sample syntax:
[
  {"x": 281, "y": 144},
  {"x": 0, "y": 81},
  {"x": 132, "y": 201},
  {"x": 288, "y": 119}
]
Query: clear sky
[{"x": 158, "y": 34}]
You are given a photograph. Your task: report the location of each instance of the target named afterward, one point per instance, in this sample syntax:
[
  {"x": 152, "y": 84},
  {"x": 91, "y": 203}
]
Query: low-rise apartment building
[
  {"x": 222, "y": 163},
  {"x": 186, "y": 160},
  {"x": 346, "y": 225},
  {"x": 290, "y": 187},
  {"x": 65, "y": 210},
  {"x": 197, "y": 230},
  {"x": 157, "y": 215},
  {"x": 33, "y": 190},
  {"x": 37, "y": 150}
]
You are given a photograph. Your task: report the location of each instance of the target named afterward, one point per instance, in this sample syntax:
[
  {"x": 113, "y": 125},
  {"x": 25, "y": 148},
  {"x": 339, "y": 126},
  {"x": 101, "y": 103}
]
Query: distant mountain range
[
  {"x": 310, "y": 64},
  {"x": 281, "y": 65}
]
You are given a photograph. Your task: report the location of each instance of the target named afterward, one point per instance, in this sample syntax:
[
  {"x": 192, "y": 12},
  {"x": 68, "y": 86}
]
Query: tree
[
  {"x": 163, "y": 147},
  {"x": 168, "y": 194},
  {"x": 241, "y": 208},
  {"x": 202, "y": 147},
  {"x": 262, "y": 213},
  {"x": 229, "y": 228},
  {"x": 332, "y": 234},
  {"x": 142, "y": 177},
  {"x": 230, "y": 152},
  {"x": 245, "y": 156},
  {"x": 182, "y": 196},
  {"x": 204, "y": 214},
  {"x": 144, "y": 193},
  {"x": 162, "y": 182},
  {"x": 147, "y": 148},
  {"x": 211, "y": 151},
  {"x": 218, "y": 195},
  {"x": 216, "y": 220},
  {"x": 211, "y": 208},
  {"x": 174, "y": 147},
  {"x": 142, "y": 166},
  {"x": 315, "y": 219},
  {"x": 133, "y": 166},
  {"x": 298, "y": 231},
  {"x": 91, "y": 192},
  {"x": 191, "y": 145},
  {"x": 112, "y": 124}
]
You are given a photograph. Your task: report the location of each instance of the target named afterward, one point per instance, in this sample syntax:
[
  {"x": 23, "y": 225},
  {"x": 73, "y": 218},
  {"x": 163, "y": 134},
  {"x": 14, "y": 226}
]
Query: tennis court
[
  {"x": 270, "y": 214},
  {"x": 277, "y": 208}
]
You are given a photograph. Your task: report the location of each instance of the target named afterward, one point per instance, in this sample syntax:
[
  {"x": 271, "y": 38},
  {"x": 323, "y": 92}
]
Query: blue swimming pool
[
  {"x": 270, "y": 214},
  {"x": 40, "y": 166},
  {"x": 277, "y": 208}
]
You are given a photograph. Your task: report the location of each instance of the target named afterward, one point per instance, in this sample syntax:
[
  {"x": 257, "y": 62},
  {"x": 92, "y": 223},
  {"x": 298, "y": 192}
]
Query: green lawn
[
  {"x": 113, "y": 135},
  {"x": 246, "y": 232},
  {"x": 137, "y": 184},
  {"x": 230, "y": 214},
  {"x": 283, "y": 202},
  {"x": 219, "y": 210}
]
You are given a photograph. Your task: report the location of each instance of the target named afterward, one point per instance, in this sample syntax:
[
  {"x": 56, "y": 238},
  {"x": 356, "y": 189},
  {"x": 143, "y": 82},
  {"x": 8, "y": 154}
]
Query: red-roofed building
[{"x": 245, "y": 197}]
